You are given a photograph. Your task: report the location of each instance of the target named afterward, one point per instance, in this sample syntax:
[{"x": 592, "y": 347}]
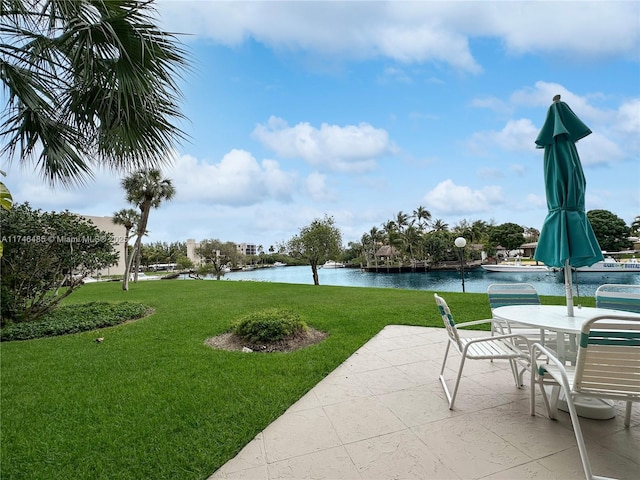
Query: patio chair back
[
  {"x": 608, "y": 364},
  {"x": 448, "y": 321},
  {"x": 504, "y": 294},
  {"x": 619, "y": 297}
]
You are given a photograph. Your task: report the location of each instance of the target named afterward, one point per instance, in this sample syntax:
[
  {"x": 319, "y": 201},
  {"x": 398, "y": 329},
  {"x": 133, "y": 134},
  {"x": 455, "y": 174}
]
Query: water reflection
[{"x": 477, "y": 281}]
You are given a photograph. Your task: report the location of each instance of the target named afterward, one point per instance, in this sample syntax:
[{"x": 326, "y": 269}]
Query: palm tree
[
  {"x": 411, "y": 238},
  {"x": 402, "y": 221},
  {"x": 440, "y": 225},
  {"x": 392, "y": 235},
  {"x": 423, "y": 216},
  {"x": 128, "y": 218},
  {"x": 87, "y": 83},
  {"x": 376, "y": 238},
  {"x": 367, "y": 246},
  {"x": 146, "y": 189}
]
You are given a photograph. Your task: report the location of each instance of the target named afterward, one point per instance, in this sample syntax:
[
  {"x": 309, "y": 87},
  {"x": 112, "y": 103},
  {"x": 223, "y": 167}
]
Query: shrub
[
  {"x": 74, "y": 319},
  {"x": 269, "y": 325},
  {"x": 47, "y": 252}
]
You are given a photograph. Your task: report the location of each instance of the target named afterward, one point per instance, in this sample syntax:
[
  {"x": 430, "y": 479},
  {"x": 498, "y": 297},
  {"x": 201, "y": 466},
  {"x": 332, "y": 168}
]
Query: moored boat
[
  {"x": 611, "y": 265},
  {"x": 332, "y": 264},
  {"x": 513, "y": 268}
]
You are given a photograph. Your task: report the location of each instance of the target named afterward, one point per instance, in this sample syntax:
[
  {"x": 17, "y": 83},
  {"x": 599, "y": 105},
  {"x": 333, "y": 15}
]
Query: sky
[{"x": 359, "y": 110}]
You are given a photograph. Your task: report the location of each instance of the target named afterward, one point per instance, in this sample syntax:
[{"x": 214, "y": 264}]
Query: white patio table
[{"x": 555, "y": 318}]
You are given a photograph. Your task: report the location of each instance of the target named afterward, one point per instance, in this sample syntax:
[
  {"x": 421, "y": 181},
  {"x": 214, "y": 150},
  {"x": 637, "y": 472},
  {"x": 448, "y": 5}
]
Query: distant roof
[{"x": 387, "y": 251}]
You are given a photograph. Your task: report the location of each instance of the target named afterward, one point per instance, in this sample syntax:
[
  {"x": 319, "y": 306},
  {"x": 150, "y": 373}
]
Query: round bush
[{"x": 269, "y": 325}]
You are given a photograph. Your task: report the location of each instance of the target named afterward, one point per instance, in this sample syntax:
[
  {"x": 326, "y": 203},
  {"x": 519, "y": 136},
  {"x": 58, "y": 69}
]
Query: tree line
[{"x": 414, "y": 238}]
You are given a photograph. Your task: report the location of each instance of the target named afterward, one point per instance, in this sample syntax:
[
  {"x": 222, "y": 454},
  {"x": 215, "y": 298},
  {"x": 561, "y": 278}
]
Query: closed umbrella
[{"x": 567, "y": 239}]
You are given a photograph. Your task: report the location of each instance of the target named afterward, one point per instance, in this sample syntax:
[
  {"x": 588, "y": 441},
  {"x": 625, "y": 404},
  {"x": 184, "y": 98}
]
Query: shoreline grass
[{"x": 153, "y": 401}]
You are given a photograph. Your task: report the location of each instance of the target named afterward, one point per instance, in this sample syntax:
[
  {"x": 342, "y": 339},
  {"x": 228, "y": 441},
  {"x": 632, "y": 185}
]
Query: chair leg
[
  {"x": 582, "y": 448},
  {"x": 532, "y": 390},
  {"x": 627, "y": 415},
  {"x": 521, "y": 375},
  {"x": 545, "y": 398},
  {"x": 444, "y": 360},
  {"x": 441, "y": 376},
  {"x": 455, "y": 388},
  {"x": 451, "y": 397},
  {"x": 514, "y": 372}
]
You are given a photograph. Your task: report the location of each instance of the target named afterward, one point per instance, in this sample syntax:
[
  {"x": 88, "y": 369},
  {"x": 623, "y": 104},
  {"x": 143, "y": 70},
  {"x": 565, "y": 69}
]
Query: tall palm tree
[
  {"x": 376, "y": 238},
  {"x": 87, "y": 82},
  {"x": 367, "y": 246},
  {"x": 423, "y": 216},
  {"x": 411, "y": 238},
  {"x": 128, "y": 218},
  {"x": 392, "y": 235},
  {"x": 146, "y": 189},
  {"x": 402, "y": 221}
]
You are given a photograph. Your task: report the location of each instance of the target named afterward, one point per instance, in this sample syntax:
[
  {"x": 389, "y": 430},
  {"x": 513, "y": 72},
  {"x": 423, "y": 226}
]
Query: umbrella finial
[{"x": 556, "y": 98}]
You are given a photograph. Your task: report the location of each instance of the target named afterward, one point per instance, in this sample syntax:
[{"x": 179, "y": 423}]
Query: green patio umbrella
[{"x": 567, "y": 239}]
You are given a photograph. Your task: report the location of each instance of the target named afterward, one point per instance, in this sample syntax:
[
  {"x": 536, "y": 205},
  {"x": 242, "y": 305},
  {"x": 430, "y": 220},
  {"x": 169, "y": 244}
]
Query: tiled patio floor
[{"x": 382, "y": 415}]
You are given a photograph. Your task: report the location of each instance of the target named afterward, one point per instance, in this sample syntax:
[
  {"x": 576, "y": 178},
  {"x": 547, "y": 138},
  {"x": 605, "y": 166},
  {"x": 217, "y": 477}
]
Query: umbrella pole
[{"x": 568, "y": 287}]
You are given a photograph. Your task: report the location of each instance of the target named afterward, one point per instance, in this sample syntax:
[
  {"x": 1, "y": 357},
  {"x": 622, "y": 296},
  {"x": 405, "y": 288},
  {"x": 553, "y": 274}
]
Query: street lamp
[{"x": 460, "y": 242}]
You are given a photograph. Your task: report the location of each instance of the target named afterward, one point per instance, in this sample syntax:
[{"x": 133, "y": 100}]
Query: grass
[{"x": 153, "y": 401}]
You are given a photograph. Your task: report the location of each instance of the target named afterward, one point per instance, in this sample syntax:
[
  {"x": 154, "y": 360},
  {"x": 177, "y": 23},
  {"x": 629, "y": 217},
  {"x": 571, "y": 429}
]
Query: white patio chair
[
  {"x": 505, "y": 294},
  {"x": 607, "y": 367},
  {"x": 478, "y": 348},
  {"x": 619, "y": 297}
]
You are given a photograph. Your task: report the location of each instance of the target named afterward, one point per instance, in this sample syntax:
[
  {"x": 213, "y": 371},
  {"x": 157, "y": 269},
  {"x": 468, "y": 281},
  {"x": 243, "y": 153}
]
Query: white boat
[
  {"x": 279, "y": 264},
  {"x": 332, "y": 264},
  {"x": 516, "y": 268},
  {"x": 611, "y": 265}
]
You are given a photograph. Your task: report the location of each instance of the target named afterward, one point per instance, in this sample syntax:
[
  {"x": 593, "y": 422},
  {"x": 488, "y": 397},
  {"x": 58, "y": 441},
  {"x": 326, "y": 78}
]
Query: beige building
[
  {"x": 246, "y": 249},
  {"x": 106, "y": 225},
  {"x": 191, "y": 251},
  {"x": 241, "y": 248}
]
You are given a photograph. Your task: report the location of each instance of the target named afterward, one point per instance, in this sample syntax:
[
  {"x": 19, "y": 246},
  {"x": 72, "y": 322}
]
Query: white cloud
[
  {"x": 516, "y": 136},
  {"x": 596, "y": 149},
  {"x": 449, "y": 198},
  {"x": 542, "y": 93},
  {"x": 577, "y": 29},
  {"x": 238, "y": 179},
  {"x": 628, "y": 117},
  {"x": 96, "y": 197},
  {"x": 610, "y": 128},
  {"x": 411, "y": 32},
  {"x": 317, "y": 187},
  {"x": 352, "y": 148}
]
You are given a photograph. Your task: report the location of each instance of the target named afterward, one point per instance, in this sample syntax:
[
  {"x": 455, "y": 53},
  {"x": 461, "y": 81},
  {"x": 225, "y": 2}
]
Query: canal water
[{"x": 476, "y": 281}]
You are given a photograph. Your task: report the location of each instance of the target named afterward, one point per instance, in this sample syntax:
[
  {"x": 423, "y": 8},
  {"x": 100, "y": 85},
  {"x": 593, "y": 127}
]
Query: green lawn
[{"x": 152, "y": 401}]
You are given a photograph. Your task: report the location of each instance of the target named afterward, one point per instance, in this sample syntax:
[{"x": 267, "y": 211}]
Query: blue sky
[{"x": 360, "y": 110}]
